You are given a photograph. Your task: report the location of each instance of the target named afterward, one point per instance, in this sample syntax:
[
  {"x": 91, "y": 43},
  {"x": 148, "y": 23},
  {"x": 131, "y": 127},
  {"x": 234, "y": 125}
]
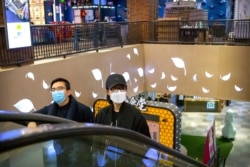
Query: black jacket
[
  {"x": 76, "y": 111},
  {"x": 129, "y": 117}
]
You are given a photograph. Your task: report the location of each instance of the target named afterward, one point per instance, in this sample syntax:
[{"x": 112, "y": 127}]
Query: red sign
[{"x": 209, "y": 156}]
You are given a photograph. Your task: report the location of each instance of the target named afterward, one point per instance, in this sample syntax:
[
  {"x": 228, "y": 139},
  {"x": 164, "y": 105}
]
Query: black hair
[
  {"x": 66, "y": 82},
  {"x": 108, "y": 99}
]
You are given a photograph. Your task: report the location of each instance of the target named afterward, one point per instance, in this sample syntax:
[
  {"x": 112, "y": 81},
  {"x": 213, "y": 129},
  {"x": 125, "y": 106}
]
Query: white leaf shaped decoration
[
  {"x": 127, "y": 77},
  {"x": 136, "y": 51},
  {"x": 204, "y": 90},
  {"x": 24, "y": 105},
  {"x": 77, "y": 94},
  {"x": 225, "y": 77},
  {"x": 151, "y": 71},
  {"x": 153, "y": 85},
  {"x": 30, "y": 75},
  {"x": 163, "y": 75},
  {"x": 97, "y": 75},
  {"x": 179, "y": 63},
  {"x": 238, "y": 89},
  {"x": 171, "y": 88},
  {"x": 135, "y": 89},
  {"x": 174, "y": 78},
  {"x": 110, "y": 69},
  {"x": 135, "y": 80},
  {"x": 45, "y": 85},
  {"x": 195, "y": 78},
  {"x": 208, "y": 75},
  {"x": 94, "y": 95},
  {"x": 140, "y": 72},
  {"x": 128, "y": 56}
]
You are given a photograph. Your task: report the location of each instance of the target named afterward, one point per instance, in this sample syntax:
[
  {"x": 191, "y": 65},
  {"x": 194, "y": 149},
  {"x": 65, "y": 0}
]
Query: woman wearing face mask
[{"x": 120, "y": 113}]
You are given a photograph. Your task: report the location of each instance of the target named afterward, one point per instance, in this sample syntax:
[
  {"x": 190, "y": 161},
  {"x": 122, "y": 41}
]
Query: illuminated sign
[
  {"x": 211, "y": 105},
  {"x": 102, "y": 2},
  {"x": 17, "y": 21}
]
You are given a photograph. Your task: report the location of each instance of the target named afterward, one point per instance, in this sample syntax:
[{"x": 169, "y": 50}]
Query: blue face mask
[{"x": 58, "y": 96}]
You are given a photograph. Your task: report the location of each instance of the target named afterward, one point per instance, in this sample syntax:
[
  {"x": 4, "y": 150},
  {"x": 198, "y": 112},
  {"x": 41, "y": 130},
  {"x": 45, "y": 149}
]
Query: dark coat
[
  {"x": 129, "y": 118},
  {"x": 76, "y": 111}
]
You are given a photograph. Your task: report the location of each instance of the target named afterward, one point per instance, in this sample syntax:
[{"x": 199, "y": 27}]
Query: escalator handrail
[
  {"x": 65, "y": 130},
  {"x": 24, "y": 118}
]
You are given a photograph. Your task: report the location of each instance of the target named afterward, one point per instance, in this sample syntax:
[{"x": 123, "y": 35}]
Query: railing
[
  {"x": 57, "y": 40},
  {"x": 64, "y": 39},
  {"x": 232, "y": 32}
]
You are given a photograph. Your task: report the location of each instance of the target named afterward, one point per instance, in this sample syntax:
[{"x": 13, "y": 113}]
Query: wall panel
[
  {"x": 201, "y": 70},
  {"x": 215, "y": 71}
]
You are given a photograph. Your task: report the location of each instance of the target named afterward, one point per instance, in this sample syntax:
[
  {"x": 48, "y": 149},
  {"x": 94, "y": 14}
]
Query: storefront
[{"x": 72, "y": 11}]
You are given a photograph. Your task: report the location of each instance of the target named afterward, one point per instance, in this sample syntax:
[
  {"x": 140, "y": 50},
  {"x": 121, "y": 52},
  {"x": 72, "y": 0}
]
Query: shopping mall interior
[
  {"x": 220, "y": 80},
  {"x": 79, "y": 11},
  {"x": 193, "y": 122},
  {"x": 197, "y": 124}
]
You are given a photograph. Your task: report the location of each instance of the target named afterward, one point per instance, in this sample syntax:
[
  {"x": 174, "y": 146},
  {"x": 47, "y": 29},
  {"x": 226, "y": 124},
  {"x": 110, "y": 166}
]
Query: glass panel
[{"x": 92, "y": 150}]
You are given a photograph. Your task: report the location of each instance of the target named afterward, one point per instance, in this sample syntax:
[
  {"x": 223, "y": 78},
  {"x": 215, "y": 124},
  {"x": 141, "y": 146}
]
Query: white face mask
[{"x": 118, "y": 97}]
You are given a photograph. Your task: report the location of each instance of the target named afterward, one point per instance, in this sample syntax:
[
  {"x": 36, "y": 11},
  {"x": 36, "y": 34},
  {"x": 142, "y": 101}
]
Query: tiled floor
[{"x": 194, "y": 123}]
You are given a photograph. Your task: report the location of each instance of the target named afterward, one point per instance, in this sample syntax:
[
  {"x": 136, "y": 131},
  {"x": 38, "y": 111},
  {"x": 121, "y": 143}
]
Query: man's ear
[{"x": 68, "y": 92}]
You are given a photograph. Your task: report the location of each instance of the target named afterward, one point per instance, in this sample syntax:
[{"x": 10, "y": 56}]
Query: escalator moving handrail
[
  {"x": 24, "y": 118},
  {"x": 89, "y": 129}
]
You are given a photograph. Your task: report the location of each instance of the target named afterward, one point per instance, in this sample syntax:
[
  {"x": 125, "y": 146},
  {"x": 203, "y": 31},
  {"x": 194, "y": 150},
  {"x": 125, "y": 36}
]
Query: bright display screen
[
  {"x": 102, "y": 2},
  {"x": 17, "y": 21}
]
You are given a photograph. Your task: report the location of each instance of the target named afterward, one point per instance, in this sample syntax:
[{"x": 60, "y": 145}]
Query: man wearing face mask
[
  {"x": 120, "y": 113},
  {"x": 66, "y": 106}
]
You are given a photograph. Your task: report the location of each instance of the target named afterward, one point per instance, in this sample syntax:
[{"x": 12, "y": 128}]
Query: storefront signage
[
  {"x": 190, "y": 4},
  {"x": 211, "y": 105}
]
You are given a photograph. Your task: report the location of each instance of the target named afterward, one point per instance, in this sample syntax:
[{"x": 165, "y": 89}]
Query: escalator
[{"x": 74, "y": 144}]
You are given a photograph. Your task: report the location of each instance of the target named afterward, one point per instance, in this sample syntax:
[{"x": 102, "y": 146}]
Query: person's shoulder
[
  {"x": 80, "y": 105},
  {"x": 44, "y": 110},
  {"x": 83, "y": 106},
  {"x": 130, "y": 107},
  {"x": 104, "y": 110}
]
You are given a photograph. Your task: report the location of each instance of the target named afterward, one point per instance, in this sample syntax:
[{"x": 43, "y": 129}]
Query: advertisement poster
[
  {"x": 154, "y": 126},
  {"x": 17, "y": 21},
  {"x": 154, "y": 129}
]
